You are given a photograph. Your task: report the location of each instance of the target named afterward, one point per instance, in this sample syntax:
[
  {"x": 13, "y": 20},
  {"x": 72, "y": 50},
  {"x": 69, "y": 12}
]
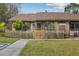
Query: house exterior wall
[
  {"x": 33, "y": 26},
  {"x": 57, "y": 26},
  {"x": 64, "y": 32}
]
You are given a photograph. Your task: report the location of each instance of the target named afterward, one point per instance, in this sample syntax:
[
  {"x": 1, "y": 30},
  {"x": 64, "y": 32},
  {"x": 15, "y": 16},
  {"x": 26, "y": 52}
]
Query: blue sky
[{"x": 41, "y": 7}]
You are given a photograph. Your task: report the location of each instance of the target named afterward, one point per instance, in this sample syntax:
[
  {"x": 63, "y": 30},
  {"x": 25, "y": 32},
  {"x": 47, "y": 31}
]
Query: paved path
[{"x": 14, "y": 49}]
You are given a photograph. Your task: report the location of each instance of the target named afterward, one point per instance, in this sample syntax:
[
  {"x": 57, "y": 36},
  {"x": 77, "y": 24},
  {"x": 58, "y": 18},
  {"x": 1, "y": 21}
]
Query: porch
[
  {"x": 49, "y": 30},
  {"x": 42, "y": 30}
]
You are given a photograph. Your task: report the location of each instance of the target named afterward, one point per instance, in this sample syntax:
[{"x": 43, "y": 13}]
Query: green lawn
[
  {"x": 51, "y": 48},
  {"x": 7, "y": 40},
  {"x": 4, "y": 39}
]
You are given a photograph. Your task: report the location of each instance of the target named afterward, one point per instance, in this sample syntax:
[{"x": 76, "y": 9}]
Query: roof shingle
[{"x": 50, "y": 16}]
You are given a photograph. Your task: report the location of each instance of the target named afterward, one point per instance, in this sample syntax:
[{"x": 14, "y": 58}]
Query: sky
[{"x": 41, "y": 7}]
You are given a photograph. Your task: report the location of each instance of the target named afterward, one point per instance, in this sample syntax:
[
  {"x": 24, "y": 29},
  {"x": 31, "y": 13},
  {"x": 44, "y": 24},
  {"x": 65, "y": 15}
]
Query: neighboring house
[{"x": 55, "y": 22}]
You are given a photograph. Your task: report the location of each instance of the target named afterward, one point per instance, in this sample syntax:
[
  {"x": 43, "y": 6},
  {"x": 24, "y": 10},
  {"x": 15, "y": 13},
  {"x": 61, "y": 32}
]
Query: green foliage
[
  {"x": 72, "y": 7},
  {"x": 3, "y": 10},
  {"x": 18, "y": 24},
  {"x": 13, "y": 9},
  {"x": 2, "y": 26},
  {"x": 7, "y": 11}
]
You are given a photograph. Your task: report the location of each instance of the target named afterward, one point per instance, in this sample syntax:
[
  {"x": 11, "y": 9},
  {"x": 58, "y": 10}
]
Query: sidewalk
[{"x": 14, "y": 49}]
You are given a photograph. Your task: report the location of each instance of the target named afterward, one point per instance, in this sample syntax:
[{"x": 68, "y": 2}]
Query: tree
[
  {"x": 13, "y": 9},
  {"x": 72, "y": 8},
  {"x": 8, "y": 10},
  {"x": 18, "y": 24},
  {"x": 3, "y": 10}
]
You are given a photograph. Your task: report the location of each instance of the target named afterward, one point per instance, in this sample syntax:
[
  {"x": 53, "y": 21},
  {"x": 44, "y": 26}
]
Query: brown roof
[{"x": 50, "y": 16}]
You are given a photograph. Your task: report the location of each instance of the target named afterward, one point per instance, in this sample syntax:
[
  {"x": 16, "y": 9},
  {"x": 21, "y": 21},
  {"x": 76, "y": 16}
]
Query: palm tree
[{"x": 72, "y": 8}]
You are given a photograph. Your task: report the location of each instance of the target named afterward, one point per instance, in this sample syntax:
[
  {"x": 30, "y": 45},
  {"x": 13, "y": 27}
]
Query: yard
[
  {"x": 6, "y": 40},
  {"x": 51, "y": 48}
]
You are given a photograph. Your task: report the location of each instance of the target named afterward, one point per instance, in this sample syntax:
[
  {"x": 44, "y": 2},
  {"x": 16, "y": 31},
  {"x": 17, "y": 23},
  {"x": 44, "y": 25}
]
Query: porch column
[
  {"x": 56, "y": 27},
  {"x": 12, "y": 26},
  {"x": 31, "y": 26},
  {"x": 35, "y": 26},
  {"x": 67, "y": 29}
]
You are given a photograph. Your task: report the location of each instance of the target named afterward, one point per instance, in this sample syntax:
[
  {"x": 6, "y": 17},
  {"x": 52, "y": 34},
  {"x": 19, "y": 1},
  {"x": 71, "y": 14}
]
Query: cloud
[
  {"x": 57, "y": 6},
  {"x": 55, "y": 10}
]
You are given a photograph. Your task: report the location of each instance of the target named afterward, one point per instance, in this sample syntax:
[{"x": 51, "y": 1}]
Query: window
[
  {"x": 39, "y": 25},
  {"x": 26, "y": 26},
  {"x": 71, "y": 26},
  {"x": 74, "y": 25},
  {"x": 49, "y": 26}
]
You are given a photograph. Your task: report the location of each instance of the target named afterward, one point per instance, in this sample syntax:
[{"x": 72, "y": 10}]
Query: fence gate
[{"x": 38, "y": 34}]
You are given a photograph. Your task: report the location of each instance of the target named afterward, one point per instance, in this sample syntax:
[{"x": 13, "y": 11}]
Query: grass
[
  {"x": 51, "y": 48},
  {"x": 4, "y": 39},
  {"x": 8, "y": 40}
]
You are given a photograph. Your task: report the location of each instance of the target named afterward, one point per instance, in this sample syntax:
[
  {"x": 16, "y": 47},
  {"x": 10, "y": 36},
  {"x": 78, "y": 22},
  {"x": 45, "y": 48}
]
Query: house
[{"x": 52, "y": 23}]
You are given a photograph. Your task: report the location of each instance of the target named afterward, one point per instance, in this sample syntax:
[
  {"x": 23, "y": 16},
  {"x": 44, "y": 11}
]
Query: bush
[
  {"x": 18, "y": 24},
  {"x": 2, "y": 26}
]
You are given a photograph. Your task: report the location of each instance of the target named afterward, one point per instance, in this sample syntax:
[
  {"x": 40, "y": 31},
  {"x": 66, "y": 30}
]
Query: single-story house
[{"x": 56, "y": 22}]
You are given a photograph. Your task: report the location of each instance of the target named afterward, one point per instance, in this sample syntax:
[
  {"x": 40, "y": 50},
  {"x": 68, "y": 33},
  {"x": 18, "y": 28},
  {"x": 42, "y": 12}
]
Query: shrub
[
  {"x": 2, "y": 26},
  {"x": 18, "y": 24}
]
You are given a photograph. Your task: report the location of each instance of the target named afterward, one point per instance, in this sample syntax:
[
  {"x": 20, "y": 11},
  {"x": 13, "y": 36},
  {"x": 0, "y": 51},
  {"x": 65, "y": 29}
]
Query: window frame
[
  {"x": 74, "y": 25},
  {"x": 47, "y": 27}
]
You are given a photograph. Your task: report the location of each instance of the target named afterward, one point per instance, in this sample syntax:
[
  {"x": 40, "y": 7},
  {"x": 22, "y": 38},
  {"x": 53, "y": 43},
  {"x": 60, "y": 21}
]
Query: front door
[
  {"x": 39, "y": 26},
  {"x": 39, "y": 32}
]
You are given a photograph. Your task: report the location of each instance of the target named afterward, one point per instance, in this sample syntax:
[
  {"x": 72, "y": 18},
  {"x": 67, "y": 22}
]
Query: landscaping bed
[{"x": 51, "y": 48}]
